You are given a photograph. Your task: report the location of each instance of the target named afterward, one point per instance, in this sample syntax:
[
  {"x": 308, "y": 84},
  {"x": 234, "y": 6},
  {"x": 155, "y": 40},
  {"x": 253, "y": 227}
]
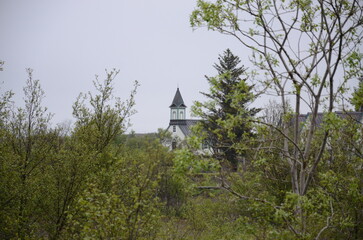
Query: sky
[{"x": 68, "y": 42}]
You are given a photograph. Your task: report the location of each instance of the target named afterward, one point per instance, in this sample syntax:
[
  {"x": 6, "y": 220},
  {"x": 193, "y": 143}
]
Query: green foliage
[
  {"x": 186, "y": 162},
  {"x": 301, "y": 163},
  {"x": 209, "y": 13},
  {"x": 226, "y": 114},
  {"x": 28, "y": 145},
  {"x": 7, "y": 175},
  {"x": 44, "y": 169},
  {"x": 93, "y": 182},
  {"x": 353, "y": 65},
  {"x": 5, "y": 103},
  {"x": 178, "y": 183},
  {"x": 104, "y": 119},
  {"x": 325, "y": 208},
  {"x": 121, "y": 201},
  {"x": 357, "y": 98}
]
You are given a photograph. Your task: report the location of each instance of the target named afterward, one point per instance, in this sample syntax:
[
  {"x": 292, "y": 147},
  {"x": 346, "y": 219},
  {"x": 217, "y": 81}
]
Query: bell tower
[{"x": 177, "y": 108}]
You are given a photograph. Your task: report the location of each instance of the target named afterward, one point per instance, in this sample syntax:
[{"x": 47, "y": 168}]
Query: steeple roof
[{"x": 178, "y": 100}]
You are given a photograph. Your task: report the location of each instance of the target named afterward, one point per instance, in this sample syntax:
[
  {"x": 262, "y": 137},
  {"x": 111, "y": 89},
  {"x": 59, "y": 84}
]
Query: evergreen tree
[{"x": 225, "y": 113}]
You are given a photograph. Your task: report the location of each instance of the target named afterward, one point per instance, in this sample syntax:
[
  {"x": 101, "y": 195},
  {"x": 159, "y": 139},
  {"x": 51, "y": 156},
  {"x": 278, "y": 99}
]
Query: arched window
[
  {"x": 174, "y": 114},
  {"x": 181, "y": 115}
]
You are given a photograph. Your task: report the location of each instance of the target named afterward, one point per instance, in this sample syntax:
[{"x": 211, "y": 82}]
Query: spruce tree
[{"x": 225, "y": 114}]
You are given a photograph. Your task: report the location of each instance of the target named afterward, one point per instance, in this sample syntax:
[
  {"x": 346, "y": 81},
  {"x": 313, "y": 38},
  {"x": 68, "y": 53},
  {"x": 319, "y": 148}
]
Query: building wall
[
  {"x": 178, "y": 134},
  {"x": 179, "y": 137}
]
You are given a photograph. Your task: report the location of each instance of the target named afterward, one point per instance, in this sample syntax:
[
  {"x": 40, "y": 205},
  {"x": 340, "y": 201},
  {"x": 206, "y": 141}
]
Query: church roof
[
  {"x": 178, "y": 100},
  {"x": 187, "y": 128},
  {"x": 355, "y": 116},
  {"x": 185, "y": 125}
]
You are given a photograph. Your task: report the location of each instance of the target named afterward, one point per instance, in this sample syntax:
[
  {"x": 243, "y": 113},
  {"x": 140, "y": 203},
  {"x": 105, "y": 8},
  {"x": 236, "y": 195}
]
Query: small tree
[
  {"x": 28, "y": 144},
  {"x": 224, "y": 115},
  {"x": 88, "y": 152},
  {"x": 107, "y": 115}
]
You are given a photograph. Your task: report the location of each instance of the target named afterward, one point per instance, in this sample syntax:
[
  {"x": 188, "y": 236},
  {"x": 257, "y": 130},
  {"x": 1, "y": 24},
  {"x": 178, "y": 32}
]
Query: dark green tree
[{"x": 226, "y": 111}]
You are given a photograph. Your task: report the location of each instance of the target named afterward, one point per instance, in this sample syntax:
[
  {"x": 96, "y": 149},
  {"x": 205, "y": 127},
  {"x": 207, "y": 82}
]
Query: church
[{"x": 179, "y": 126}]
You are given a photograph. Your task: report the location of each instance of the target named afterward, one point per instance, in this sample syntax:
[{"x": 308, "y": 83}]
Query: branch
[
  {"x": 283, "y": 134},
  {"x": 229, "y": 189},
  {"x": 328, "y": 220}
]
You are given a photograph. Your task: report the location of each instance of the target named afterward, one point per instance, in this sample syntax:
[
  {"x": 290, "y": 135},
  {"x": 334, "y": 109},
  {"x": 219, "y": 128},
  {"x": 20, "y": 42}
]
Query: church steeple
[
  {"x": 177, "y": 107},
  {"x": 178, "y": 100}
]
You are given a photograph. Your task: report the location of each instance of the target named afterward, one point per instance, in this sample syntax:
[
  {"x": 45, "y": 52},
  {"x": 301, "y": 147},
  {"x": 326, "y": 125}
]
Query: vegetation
[
  {"x": 300, "y": 176},
  {"x": 291, "y": 156},
  {"x": 357, "y": 99},
  {"x": 225, "y": 127}
]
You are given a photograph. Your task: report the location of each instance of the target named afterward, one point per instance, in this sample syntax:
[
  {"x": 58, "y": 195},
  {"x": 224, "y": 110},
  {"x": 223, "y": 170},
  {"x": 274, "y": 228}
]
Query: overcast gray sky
[{"x": 67, "y": 42}]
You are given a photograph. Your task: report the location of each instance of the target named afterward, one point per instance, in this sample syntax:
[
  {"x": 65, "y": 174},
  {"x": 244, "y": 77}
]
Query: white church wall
[{"x": 177, "y": 133}]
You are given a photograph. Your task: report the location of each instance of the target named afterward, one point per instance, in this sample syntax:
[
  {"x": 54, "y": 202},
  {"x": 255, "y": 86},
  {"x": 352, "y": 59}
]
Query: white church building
[{"x": 179, "y": 126}]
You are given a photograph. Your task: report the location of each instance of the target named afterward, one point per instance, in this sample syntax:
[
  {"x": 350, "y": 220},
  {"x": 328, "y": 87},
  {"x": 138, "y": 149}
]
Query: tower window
[
  {"x": 174, "y": 128},
  {"x": 174, "y": 115},
  {"x": 181, "y": 115}
]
